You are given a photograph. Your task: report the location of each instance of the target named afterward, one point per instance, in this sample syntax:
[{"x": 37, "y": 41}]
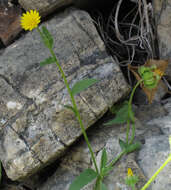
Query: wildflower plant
[
  {"x": 30, "y": 21},
  {"x": 131, "y": 179},
  {"x": 147, "y": 77}
]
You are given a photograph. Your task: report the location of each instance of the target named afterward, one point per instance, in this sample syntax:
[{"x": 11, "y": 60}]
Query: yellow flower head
[
  {"x": 159, "y": 72},
  {"x": 30, "y": 20},
  {"x": 130, "y": 173}
]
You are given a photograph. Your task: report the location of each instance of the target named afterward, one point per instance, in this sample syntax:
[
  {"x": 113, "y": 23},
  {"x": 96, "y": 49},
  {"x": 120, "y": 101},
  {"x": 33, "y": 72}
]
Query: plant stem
[
  {"x": 130, "y": 110},
  {"x": 127, "y": 131},
  {"x": 76, "y": 110},
  {"x": 98, "y": 183},
  {"x": 156, "y": 173},
  {"x": 116, "y": 159},
  {"x": 133, "y": 133},
  {"x": 74, "y": 106}
]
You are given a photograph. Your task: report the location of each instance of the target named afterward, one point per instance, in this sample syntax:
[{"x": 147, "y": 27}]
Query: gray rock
[
  {"x": 78, "y": 159},
  {"x": 44, "y": 7},
  {"x": 163, "y": 15},
  {"x": 163, "y": 122},
  {"x": 35, "y": 126},
  {"x": 155, "y": 150},
  {"x": 151, "y": 157},
  {"x": 158, "y": 6}
]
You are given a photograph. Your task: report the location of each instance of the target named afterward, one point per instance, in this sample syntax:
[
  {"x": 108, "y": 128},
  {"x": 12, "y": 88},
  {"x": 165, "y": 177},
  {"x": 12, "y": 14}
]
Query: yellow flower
[
  {"x": 130, "y": 173},
  {"x": 159, "y": 72},
  {"x": 30, "y": 20}
]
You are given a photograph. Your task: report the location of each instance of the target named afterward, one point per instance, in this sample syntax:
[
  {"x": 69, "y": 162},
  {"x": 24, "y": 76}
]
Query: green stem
[
  {"x": 116, "y": 159},
  {"x": 156, "y": 173},
  {"x": 76, "y": 110},
  {"x": 130, "y": 110},
  {"x": 133, "y": 133},
  {"x": 128, "y": 126},
  {"x": 127, "y": 131},
  {"x": 98, "y": 183},
  {"x": 74, "y": 106}
]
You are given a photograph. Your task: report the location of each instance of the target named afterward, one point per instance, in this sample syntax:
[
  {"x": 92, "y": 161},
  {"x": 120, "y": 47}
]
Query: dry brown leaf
[{"x": 161, "y": 67}]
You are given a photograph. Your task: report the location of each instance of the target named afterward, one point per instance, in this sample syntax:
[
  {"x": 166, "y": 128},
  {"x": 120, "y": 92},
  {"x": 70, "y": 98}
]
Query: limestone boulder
[
  {"x": 154, "y": 151},
  {"x": 163, "y": 17},
  {"x": 35, "y": 127},
  {"x": 45, "y": 7}
]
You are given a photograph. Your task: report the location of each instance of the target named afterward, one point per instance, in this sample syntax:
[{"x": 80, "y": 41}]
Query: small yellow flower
[
  {"x": 159, "y": 72},
  {"x": 130, "y": 173},
  {"x": 30, "y": 20}
]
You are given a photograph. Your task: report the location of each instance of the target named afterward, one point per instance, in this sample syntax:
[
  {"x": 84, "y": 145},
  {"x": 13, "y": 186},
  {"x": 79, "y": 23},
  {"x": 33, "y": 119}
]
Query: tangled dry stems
[{"x": 130, "y": 37}]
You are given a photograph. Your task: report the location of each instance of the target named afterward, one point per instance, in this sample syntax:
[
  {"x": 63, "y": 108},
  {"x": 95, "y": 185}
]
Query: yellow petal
[{"x": 130, "y": 173}]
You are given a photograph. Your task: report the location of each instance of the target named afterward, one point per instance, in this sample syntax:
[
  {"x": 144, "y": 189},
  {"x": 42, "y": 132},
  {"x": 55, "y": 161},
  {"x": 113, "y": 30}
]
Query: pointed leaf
[
  {"x": 83, "y": 179},
  {"x": 82, "y": 85},
  {"x": 121, "y": 116},
  {"x": 45, "y": 40},
  {"x": 122, "y": 144},
  {"x": 106, "y": 170},
  {"x": 71, "y": 108},
  {"x": 103, "y": 160},
  {"x": 116, "y": 107},
  {"x": 47, "y": 61},
  {"x": 48, "y": 37},
  {"x": 133, "y": 147}
]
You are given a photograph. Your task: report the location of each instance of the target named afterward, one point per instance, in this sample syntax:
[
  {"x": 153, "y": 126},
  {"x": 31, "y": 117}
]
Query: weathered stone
[
  {"x": 153, "y": 154},
  {"x": 155, "y": 149},
  {"x": 45, "y": 7},
  {"x": 78, "y": 159},
  {"x": 11, "y": 102},
  {"x": 163, "y": 122},
  {"x": 163, "y": 28},
  {"x": 10, "y": 23},
  {"x": 42, "y": 129},
  {"x": 13, "y": 187},
  {"x": 158, "y": 6}
]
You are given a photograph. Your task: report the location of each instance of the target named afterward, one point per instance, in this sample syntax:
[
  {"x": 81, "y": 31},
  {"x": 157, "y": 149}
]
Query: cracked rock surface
[
  {"x": 35, "y": 128},
  {"x": 150, "y": 131},
  {"x": 163, "y": 17},
  {"x": 44, "y": 7}
]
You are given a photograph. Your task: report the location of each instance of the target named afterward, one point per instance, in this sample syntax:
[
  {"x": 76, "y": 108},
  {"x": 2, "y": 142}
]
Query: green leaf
[
  {"x": 83, "y": 179},
  {"x": 133, "y": 147},
  {"x": 122, "y": 144},
  {"x": 47, "y": 61},
  {"x": 71, "y": 108},
  {"x": 116, "y": 107},
  {"x": 106, "y": 170},
  {"x": 82, "y": 85},
  {"x": 131, "y": 181},
  {"x": 103, "y": 160},
  {"x": 121, "y": 116},
  {"x": 48, "y": 39},
  {"x": 103, "y": 187}
]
